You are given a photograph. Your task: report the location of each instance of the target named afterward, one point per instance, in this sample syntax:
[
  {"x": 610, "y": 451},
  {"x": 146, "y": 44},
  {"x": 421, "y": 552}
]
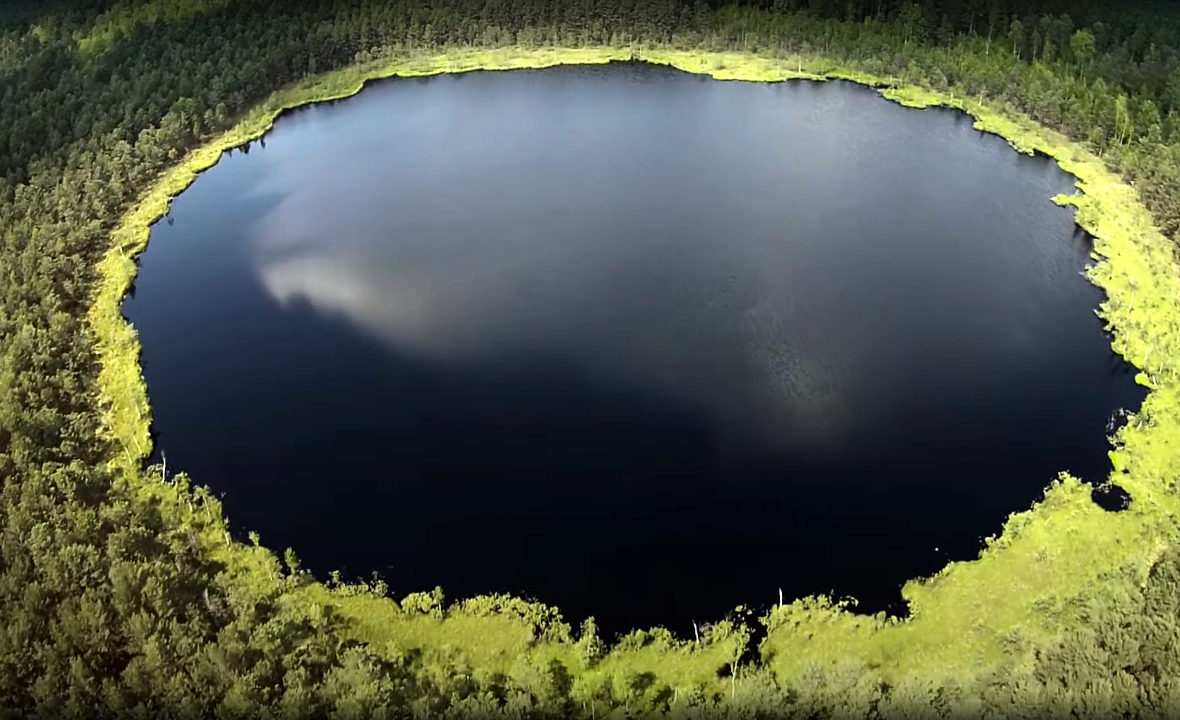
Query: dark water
[{"x": 629, "y": 341}]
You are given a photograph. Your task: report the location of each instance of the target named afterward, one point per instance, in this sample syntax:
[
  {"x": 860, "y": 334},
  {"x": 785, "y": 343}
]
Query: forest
[{"x": 121, "y": 588}]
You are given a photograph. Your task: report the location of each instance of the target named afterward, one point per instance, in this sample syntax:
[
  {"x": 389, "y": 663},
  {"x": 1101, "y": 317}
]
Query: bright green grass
[{"x": 964, "y": 620}]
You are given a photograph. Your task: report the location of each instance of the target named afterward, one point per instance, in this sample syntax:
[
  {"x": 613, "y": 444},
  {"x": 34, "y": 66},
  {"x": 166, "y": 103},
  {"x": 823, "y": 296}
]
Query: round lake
[{"x": 629, "y": 341}]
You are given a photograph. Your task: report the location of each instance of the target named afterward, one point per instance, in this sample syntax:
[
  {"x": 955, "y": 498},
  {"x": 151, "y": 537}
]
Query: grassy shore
[{"x": 963, "y": 621}]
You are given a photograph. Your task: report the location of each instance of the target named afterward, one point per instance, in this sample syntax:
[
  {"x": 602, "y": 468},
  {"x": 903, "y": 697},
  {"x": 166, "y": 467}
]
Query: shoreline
[{"x": 1021, "y": 581}]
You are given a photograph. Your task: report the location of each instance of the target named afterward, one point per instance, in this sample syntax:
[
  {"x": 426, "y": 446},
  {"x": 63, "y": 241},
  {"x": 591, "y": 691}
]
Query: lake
[{"x": 629, "y": 341}]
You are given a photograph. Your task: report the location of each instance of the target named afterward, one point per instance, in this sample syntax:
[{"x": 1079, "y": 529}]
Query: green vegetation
[
  {"x": 126, "y": 17},
  {"x": 122, "y": 589}
]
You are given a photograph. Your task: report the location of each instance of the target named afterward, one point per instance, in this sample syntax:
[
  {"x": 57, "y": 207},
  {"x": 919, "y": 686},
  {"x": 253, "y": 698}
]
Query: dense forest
[{"x": 113, "y": 605}]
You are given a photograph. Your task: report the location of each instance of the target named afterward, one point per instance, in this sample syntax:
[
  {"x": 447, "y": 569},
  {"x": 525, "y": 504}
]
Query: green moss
[{"x": 964, "y": 621}]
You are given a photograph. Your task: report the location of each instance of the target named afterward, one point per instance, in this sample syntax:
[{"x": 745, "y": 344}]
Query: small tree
[
  {"x": 1082, "y": 47},
  {"x": 1124, "y": 128},
  {"x": 1016, "y": 36},
  {"x": 912, "y": 22}
]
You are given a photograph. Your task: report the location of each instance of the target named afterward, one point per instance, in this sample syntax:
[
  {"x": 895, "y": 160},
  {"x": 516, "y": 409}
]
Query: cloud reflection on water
[{"x": 481, "y": 299}]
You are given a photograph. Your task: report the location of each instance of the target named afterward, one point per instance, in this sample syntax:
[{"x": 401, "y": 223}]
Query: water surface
[{"x": 633, "y": 342}]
